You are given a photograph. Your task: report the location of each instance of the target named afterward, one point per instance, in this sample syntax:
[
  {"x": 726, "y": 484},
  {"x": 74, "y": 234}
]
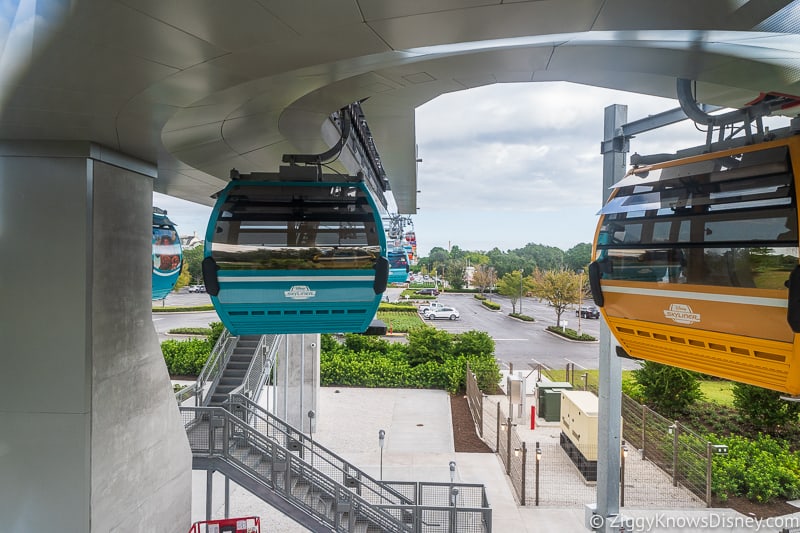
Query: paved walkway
[{"x": 419, "y": 447}]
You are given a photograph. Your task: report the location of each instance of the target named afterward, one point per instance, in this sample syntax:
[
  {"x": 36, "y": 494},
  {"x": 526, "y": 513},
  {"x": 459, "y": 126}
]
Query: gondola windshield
[
  {"x": 728, "y": 222},
  {"x": 295, "y": 228}
]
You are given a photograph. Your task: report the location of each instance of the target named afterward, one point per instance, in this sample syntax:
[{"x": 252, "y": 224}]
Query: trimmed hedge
[
  {"x": 208, "y": 307},
  {"x": 570, "y": 333},
  {"x": 432, "y": 359},
  {"x": 490, "y": 305},
  {"x": 520, "y": 316},
  {"x": 186, "y": 358}
]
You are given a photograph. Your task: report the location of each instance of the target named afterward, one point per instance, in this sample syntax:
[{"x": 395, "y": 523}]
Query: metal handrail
[
  {"x": 260, "y": 367},
  {"x": 187, "y": 392},
  {"x": 266, "y": 423},
  {"x": 236, "y": 431},
  {"x": 212, "y": 371}
]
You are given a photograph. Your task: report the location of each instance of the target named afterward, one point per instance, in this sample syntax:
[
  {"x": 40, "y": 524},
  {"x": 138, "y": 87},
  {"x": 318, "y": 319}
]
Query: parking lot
[{"x": 520, "y": 343}]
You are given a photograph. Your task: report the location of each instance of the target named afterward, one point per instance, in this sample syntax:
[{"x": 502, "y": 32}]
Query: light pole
[
  {"x": 521, "y": 274},
  {"x": 311, "y": 415},
  {"x": 538, "y": 460},
  {"x": 580, "y": 300},
  {"x": 381, "y": 436},
  {"x": 623, "y": 455}
]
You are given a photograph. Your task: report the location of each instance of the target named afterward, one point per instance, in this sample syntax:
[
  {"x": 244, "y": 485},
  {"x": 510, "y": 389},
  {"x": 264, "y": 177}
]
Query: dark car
[
  {"x": 429, "y": 291},
  {"x": 588, "y": 311}
]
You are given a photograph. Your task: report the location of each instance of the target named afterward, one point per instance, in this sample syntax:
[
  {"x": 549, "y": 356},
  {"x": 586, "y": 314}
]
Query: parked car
[
  {"x": 444, "y": 312},
  {"x": 426, "y": 307},
  {"x": 429, "y": 291},
  {"x": 197, "y": 288},
  {"x": 588, "y": 311}
]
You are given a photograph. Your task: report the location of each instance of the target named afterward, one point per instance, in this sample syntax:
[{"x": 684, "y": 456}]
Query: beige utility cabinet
[{"x": 579, "y": 421}]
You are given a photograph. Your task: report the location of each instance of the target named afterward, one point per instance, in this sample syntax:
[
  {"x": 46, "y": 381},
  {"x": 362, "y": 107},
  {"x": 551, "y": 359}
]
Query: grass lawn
[
  {"x": 591, "y": 377},
  {"x": 718, "y": 392},
  {"x": 400, "y": 322}
]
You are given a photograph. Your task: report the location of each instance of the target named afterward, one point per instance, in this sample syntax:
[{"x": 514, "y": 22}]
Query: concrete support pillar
[
  {"x": 92, "y": 440},
  {"x": 297, "y": 382}
]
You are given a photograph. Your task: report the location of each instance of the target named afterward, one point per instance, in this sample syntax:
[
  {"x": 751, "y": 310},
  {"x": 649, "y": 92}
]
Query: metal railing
[
  {"x": 475, "y": 400},
  {"x": 260, "y": 367},
  {"x": 264, "y": 448},
  {"x": 375, "y": 491},
  {"x": 209, "y": 376}
]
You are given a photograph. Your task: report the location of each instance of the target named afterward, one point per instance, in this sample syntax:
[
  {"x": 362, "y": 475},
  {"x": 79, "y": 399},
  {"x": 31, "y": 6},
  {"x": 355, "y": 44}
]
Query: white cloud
[
  {"x": 506, "y": 165},
  {"x": 509, "y": 164}
]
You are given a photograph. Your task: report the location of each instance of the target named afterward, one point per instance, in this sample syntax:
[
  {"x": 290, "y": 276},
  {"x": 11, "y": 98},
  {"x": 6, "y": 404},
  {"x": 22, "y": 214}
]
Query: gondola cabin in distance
[
  {"x": 696, "y": 264},
  {"x": 398, "y": 265},
  {"x": 167, "y": 255},
  {"x": 295, "y": 256}
]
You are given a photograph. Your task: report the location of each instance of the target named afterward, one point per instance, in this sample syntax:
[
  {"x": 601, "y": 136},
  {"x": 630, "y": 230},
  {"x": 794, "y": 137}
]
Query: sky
[{"x": 509, "y": 164}]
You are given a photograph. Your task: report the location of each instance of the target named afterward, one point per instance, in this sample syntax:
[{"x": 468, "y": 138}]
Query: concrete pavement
[{"x": 419, "y": 446}]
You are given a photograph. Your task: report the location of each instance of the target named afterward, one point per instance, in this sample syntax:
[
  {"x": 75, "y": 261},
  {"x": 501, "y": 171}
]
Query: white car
[
  {"x": 426, "y": 308},
  {"x": 444, "y": 312}
]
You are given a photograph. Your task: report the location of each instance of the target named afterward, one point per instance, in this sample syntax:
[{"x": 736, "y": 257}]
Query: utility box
[
  {"x": 541, "y": 402},
  {"x": 515, "y": 385},
  {"x": 552, "y": 405},
  {"x": 579, "y": 430},
  {"x": 579, "y": 421}
]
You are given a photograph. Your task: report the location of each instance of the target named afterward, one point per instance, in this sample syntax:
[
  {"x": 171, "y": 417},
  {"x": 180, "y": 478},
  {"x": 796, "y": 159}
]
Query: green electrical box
[
  {"x": 542, "y": 398},
  {"x": 552, "y": 408}
]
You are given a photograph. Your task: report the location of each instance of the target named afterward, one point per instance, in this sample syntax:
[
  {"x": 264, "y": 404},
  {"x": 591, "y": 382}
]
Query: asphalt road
[
  {"x": 163, "y": 322},
  {"x": 517, "y": 343},
  {"x": 521, "y": 343}
]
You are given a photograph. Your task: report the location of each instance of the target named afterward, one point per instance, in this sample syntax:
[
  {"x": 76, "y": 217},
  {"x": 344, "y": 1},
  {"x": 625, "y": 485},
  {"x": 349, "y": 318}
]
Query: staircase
[
  {"x": 314, "y": 486},
  {"x": 234, "y": 372},
  {"x": 236, "y": 365}
]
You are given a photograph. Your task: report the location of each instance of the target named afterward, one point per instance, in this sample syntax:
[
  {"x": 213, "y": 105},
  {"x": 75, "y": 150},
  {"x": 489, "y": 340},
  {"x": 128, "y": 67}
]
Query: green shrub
[
  {"x": 473, "y": 342},
  {"x": 429, "y": 344},
  {"x": 432, "y": 359},
  {"x": 570, "y": 333},
  {"x": 190, "y": 331},
  {"x": 668, "y": 389},
  {"x": 761, "y": 470},
  {"x": 207, "y": 307},
  {"x": 763, "y": 408},
  {"x": 216, "y": 330},
  {"x": 403, "y": 307},
  {"x": 520, "y": 316},
  {"x": 187, "y": 357},
  {"x": 490, "y": 305}
]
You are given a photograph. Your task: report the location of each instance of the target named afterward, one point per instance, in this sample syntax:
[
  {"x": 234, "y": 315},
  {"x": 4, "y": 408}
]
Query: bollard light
[
  {"x": 381, "y": 437},
  {"x": 453, "y": 496},
  {"x": 517, "y": 452},
  {"x": 623, "y": 454},
  {"x": 452, "y": 471}
]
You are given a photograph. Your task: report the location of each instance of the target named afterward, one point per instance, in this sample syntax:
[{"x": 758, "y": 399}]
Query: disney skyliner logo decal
[
  {"x": 682, "y": 314},
  {"x": 299, "y": 292}
]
